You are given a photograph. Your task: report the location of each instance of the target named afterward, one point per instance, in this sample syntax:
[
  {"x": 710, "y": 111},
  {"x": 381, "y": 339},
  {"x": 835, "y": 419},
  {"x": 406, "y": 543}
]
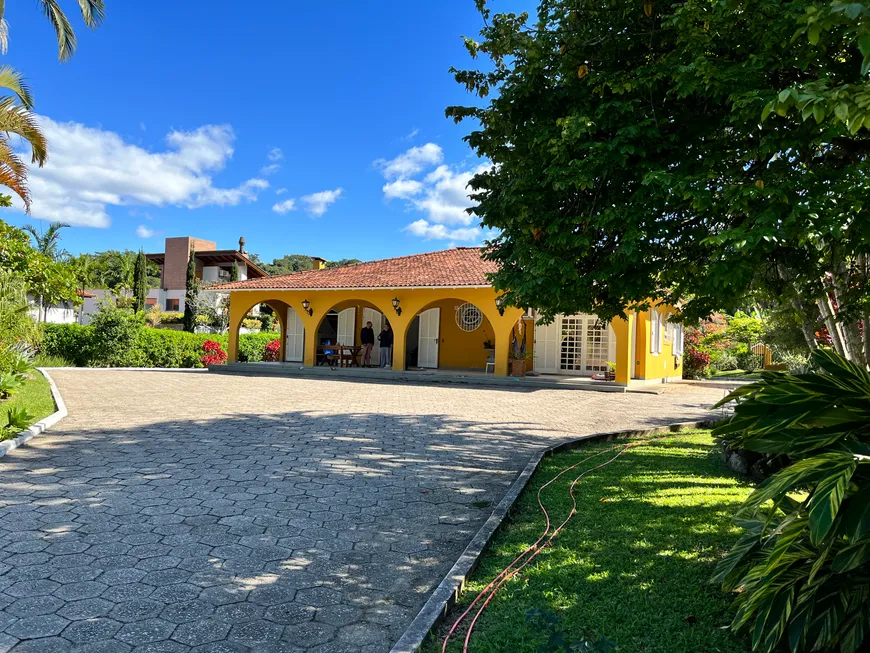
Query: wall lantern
[
  {"x": 499, "y": 304},
  {"x": 396, "y": 306},
  {"x": 306, "y": 306}
]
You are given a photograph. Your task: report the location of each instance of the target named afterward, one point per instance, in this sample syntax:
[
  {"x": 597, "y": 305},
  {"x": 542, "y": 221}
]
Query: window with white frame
[
  {"x": 678, "y": 340},
  {"x": 655, "y": 344}
]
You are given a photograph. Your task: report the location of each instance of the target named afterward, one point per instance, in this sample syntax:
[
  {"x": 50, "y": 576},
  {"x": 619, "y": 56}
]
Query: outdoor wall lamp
[
  {"x": 396, "y": 306},
  {"x": 306, "y": 306},
  {"x": 499, "y": 304}
]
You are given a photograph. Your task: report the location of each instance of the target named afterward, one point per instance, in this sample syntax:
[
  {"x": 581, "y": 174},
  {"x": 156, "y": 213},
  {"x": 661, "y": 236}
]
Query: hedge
[{"x": 154, "y": 347}]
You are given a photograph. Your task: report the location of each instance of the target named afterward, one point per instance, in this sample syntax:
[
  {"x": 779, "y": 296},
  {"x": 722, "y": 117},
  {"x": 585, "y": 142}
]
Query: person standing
[
  {"x": 385, "y": 337},
  {"x": 367, "y": 340}
]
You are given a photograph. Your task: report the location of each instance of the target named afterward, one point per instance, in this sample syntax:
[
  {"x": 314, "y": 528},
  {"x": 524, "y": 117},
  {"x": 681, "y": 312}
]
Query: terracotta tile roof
[
  {"x": 449, "y": 268},
  {"x": 85, "y": 294}
]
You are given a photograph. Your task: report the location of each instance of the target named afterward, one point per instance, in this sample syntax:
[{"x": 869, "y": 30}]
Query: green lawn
[
  {"x": 634, "y": 562},
  {"x": 34, "y": 395}
]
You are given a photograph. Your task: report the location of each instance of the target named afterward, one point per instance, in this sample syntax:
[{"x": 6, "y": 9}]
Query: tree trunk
[
  {"x": 807, "y": 328},
  {"x": 837, "y": 340},
  {"x": 849, "y": 327}
]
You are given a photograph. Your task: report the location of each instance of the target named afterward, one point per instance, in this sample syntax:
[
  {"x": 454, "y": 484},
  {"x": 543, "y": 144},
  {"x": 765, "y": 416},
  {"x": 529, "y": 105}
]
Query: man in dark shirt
[
  {"x": 385, "y": 337},
  {"x": 367, "y": 340}
]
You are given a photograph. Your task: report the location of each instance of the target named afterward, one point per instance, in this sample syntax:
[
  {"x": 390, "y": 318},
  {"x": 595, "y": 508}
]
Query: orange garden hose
[{"x": 532, "y": 551}]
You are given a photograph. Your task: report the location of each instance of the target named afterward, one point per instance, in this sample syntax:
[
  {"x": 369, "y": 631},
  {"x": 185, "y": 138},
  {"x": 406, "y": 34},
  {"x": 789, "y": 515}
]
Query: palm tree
[
  {"x": 93, "y": 13},
  {"x": 47, "y": 241},
  {"x": 16, "y": 118}
]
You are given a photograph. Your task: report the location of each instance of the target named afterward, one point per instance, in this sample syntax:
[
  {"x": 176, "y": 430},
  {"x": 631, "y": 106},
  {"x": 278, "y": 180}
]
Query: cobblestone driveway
[{"x": 175, "y": 512}]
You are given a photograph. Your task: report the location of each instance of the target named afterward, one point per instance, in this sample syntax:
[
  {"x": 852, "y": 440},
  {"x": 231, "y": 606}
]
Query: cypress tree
[
  {"x": 190, "y": 295},
  {"x": 234, "y": 272},
  {"x": 140, "y": 284}
]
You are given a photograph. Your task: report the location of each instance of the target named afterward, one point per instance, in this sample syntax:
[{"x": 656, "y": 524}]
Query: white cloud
[
  {"x": 270, "y": 169},
  {"x": 411, "y": 162},
  {"x": 402, "y": 188},
  {"x": 319, "y": 202},
  {"x": 285, "y": 207},
  {"x": 280, "y": 191},
  {"x": 430, "y": 231},
  {"x": 442, "y": 194},
  {"x": 90, "y": 169},
  {"x": 411, "y": 135},
  {"x": 144, "y": 232},
  {"x": 275, "y": 154}
]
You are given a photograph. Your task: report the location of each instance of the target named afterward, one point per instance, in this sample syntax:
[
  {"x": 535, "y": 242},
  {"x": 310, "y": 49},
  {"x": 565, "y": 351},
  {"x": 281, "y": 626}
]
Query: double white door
[
  {"x": 295, "y": 337},
  {"x": 346, "y": 327},
  {"x": 377, "y": 320},
  {"x": 574, "y": 344},
  {"x": 429, "y": 338}
]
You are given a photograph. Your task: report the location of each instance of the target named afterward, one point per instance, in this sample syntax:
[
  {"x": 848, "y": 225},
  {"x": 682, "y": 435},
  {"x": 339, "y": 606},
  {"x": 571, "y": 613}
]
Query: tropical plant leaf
[
  {"x": 826, "y": 500},
  {"x": 852, "y": 557},
  {"x": 857, "y": 518}
]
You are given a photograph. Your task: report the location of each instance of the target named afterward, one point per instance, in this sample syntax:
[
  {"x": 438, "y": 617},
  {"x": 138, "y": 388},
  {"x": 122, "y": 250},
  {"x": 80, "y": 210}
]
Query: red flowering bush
[
  {"x": 696, "y": 361},
  {"x": 273, "y": 351},
  {"x": 214, "y": 355}
]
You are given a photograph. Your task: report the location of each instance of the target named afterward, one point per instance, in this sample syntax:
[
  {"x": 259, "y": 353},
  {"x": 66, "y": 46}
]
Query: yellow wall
[
  {"x": 460, "y": 348},
  {"x": 412, "y": 302},
  {"x": 651, "y": 366}
]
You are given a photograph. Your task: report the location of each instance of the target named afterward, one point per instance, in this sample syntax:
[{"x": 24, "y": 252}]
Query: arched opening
[
  {"x": 342, "y": 325},
  {"x": 450, "y": 334},
  {"x": 286, "y": 322}
]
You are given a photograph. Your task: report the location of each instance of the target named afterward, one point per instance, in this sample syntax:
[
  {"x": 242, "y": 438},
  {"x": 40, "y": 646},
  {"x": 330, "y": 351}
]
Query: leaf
[
  {"x": 852, "y": 557},
  {"x": 857, "y": 519},
  {"x": 582, "y": 71},
  {"x": 647, "y": 8},
  {"x": 826, "y": 500}
]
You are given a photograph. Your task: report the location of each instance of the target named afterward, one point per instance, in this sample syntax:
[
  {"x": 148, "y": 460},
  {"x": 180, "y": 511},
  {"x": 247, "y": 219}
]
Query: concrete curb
[
  {"x": 44, "y": 424},
  {"x": 186, "y": 370},
  {"x": 445, "y": 595}
]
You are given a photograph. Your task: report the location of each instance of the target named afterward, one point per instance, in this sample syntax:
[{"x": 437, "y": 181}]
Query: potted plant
[
  {"x": 518, "y": 355},
  {"x": 610, "y": 374}
]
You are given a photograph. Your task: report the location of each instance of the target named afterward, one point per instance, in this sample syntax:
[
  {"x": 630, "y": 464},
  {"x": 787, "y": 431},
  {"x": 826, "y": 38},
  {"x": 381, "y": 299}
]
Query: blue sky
[{"x": 311, "y": 128}]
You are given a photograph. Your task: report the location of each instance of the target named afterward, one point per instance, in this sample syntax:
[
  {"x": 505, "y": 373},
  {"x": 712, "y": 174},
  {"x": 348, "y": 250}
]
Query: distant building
[{"x": 212, "y": 266}]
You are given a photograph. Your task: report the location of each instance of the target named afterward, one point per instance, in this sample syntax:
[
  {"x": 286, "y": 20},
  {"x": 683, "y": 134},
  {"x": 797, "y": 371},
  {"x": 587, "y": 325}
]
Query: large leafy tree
[
  {"x": 635, "y": 157},
  {"x": 53, "y": 281}
]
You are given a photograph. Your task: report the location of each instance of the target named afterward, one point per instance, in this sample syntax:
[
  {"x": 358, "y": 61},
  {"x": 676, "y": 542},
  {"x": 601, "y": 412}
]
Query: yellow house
[{"x": 444, "y": 314}]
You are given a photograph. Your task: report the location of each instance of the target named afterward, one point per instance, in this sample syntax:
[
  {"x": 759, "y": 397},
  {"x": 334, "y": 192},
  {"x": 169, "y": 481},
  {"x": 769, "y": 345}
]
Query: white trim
[{"x": 655, "y": 337}]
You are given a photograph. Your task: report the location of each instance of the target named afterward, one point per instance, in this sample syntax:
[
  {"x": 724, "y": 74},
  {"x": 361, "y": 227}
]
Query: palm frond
[
  {"x": 14, "y": 81},
  {"x": 93, "y": 12},
  {"x": 16, "y": 183},
  {"x": 11, "y": 158},
  {"x": 66, "y": 38},
  {"x": 16, "y": 119}
]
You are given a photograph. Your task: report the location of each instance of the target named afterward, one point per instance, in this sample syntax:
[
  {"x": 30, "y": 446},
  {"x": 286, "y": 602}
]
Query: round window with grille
[{"x": 468, "y": 317}]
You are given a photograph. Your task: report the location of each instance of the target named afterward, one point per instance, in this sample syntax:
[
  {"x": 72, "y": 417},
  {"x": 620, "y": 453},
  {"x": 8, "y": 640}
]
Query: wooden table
[{"x": 349, "y": 356}]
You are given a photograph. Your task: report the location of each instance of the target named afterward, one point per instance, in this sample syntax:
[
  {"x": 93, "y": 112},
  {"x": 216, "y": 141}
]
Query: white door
[
  {"x": 346, "y": 327},
  {"x": 377, "y": 320},
  {"x": 295, "y": 337},
  {"x": 430, "y": 323},
  {"x": 547, "y": 347}
]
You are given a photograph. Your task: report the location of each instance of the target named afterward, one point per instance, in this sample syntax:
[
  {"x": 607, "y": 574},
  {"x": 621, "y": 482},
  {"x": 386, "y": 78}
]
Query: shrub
[
  {"x": 272, "y": 352},
  {"x": 214, "y": 355},
  {"x": 801, "y": 570},
  {"x": 115, "y": 334},
  {"x": 69, "y": 341},
  {"x": 251, "y": 323},
  {"x": 747, "y": 361},
  {"x": 267, "y": 321},
  {"x": 795, "y": 363},
  {"x": 723, "y": 360},
  {"x": 152, "y": 348},
  {"x": 252, "y": 346},
  {"x": 696, "y": 361}
]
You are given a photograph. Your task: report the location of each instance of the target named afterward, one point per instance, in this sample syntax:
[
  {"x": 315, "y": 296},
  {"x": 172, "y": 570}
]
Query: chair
[{"x": 490, "y": 362}]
